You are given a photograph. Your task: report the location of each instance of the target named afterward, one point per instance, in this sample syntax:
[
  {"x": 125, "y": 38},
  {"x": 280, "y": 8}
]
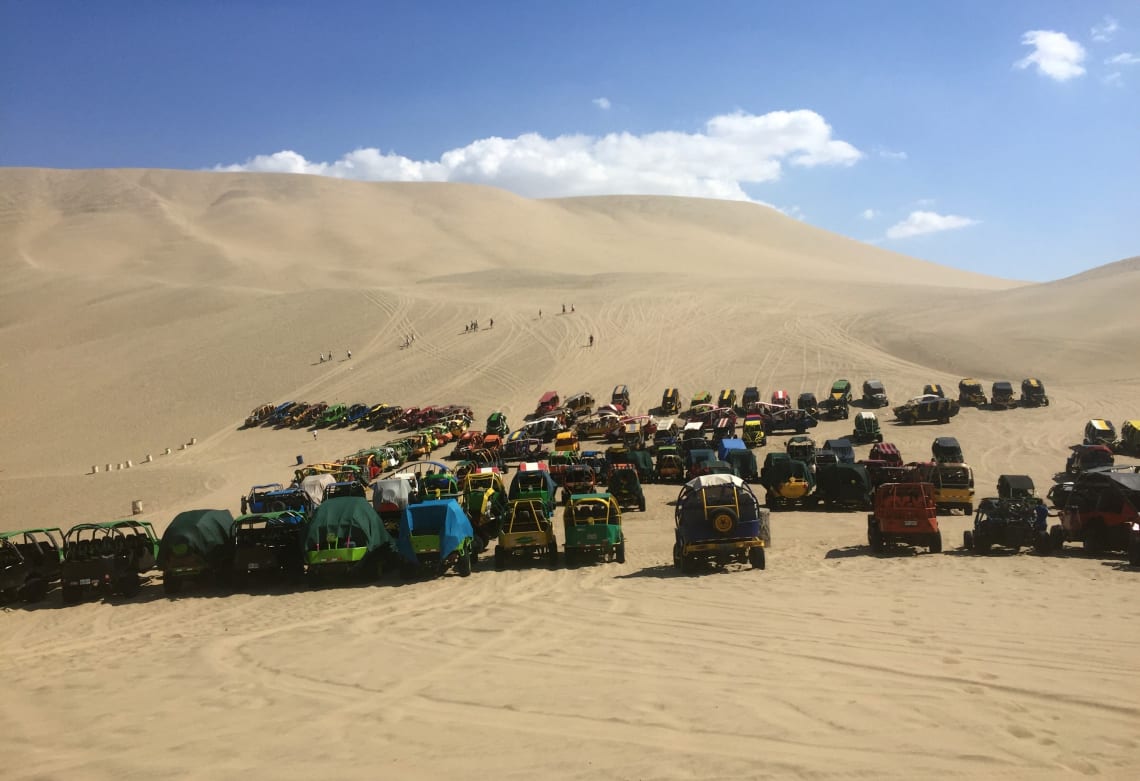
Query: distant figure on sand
[
  {"x": 564, "y": 309},
  {"x": 492, "y": 323},
  {"x": 571, "y": 309},
  {"x": 349, "y": 354},
  {"x": 540, "y": 313},
  {"x": 322, "y": 357},
  {"x": 591, "y": 340}
]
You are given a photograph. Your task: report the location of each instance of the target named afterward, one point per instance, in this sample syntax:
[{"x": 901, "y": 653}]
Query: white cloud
[
  {"x": 1124, "y": 58},
  {"x": 1105, "y": 30},
  {"x": 889, "y": 154},
  {"x": 924, "y": 203},
  {"x": 869, "y": 214},
  {"x": 1114, "y": 79},
  {"x": 1055, "y": 54},
  {"x": 732, "y": 150},
  {"x": 602, "y": 103},
  {"x": 919, "y": 223}
]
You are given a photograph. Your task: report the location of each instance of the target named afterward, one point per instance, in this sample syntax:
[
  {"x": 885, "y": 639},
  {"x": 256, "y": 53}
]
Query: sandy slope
[{"x": 142, "y": 308}]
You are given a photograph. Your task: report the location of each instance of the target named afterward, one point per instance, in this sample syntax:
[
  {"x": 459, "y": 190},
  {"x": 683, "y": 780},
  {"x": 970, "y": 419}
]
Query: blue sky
[{"x": 998, "y": 137}]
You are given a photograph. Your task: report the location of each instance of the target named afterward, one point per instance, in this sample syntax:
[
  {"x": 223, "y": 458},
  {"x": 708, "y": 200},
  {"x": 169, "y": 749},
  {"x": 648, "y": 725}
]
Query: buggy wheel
[
  {"x": 935, "y": 544},
  {"x": 874, "y": 538},
  {"x": 981, "y": 544},
  {"x": 1096, "y": 538},
  {"x": 130, "y": 584},
  {"x": 71, "y": 595},
  {"x": 500, "y": 558},
  {"x": 968, "y": 509},
  {"x": 619, "y": 553},
  {"x": 552, "y": 552},
  {"x": 641, "y": 504},
  {"x": 756, "y": 557},
  {"x": 1042, "y": 545},
  {"x": 171, "y": 585},
  {"x": 463, "y": 565},
  {"x": 570, "y": 558},
  {"x": 34, "y": 590},
  {"x": 677, "y": 559},
  {"x": 1134, "y": 553},
  {"x": 1057, "y": 538},
  {"x": 968, "y": 540}
]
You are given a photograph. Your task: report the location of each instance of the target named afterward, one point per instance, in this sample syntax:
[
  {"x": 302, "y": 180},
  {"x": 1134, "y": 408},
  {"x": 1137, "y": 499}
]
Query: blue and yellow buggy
[
  {"x": 719, "y": 520},
  {"x": 435, "y": 536}
]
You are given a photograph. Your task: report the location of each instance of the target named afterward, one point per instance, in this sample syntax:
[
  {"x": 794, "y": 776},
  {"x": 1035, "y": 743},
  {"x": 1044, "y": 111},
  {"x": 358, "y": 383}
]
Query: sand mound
[{"x": 141, "y": 309}]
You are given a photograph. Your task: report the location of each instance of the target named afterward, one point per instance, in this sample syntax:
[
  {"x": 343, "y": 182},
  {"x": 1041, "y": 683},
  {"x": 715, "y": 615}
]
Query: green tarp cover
[
  {"x": 202, "y": 532},
  {"x": 351, "y": 521}
]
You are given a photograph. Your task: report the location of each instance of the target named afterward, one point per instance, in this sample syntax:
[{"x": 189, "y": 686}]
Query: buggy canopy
[
  {"x": 443, "y": 518},
  {"x": 202, "y": 532},
  {"x": 346, "y": 522},
  {"x": 314, "y": 486}
]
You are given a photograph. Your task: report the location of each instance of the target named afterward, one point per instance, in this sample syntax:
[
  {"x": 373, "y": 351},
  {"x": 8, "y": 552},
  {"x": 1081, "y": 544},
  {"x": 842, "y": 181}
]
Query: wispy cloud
[
  {"x": 890, "y": 154},
  {"x": 732, "y": 150},
  {"x": 1105, "y": 30},
  {"x": 919, "y": 223},
  {"x": 1114, "y": 79},
  {"x": 869, "y": 214},
  {"x": 1124, "y": 58},
  {"x": 1055, "y": 54},
  {"x": 602, "y": 103}
]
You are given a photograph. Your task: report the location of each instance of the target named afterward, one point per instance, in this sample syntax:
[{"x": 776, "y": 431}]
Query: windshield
[{"x": 954, "y": 476}]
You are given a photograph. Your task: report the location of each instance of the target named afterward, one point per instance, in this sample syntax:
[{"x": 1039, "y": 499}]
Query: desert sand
[{"x": 141, "y": 309}]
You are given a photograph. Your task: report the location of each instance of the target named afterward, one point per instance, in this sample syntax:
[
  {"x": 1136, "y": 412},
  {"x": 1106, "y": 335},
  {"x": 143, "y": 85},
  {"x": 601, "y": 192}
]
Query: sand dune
[{"x": 143, "y": 308}]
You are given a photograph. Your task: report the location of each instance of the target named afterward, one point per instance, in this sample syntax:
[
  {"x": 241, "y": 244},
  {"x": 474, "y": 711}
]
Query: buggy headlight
[{"x": 1136, "y": 527}]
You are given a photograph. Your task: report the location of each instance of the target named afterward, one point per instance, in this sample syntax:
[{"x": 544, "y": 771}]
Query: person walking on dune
[
  {"x": 591, "y": 340},
  {"x": 349, "y": 354}
]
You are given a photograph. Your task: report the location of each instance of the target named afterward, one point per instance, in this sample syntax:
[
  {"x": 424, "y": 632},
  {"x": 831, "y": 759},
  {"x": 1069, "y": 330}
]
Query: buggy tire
[
  {"x": 981, "y": 544},
  {"x": 968, "y": 540},
  {"x": 641, "y": 504},
  {"x": 1057, "y": 538},
  {"x": 463, "y": 565},
  {"x": 71, "y": 595},
  {"x": 1095, "y": 538},
  {"x": 935, "y": 543},
  {"x": 874, "y": 538},
  {"x": 677, "y": 559},
  {"x": 130, "y": 584},
  {"x": 34, "y": 590},
  {"x": 619, "y": 553},
  {"x": 968, "y": 510},
  {"x": 1042, "y": 545},
  {"x": 552, "y": 552},
  {"x": 500, "y": 558},
  {"x": 1134, "y": 554},
  {"x": 757, "y": 557},
  {"x": 171, "y": 585},
  {"x": 724, "y": 521}
]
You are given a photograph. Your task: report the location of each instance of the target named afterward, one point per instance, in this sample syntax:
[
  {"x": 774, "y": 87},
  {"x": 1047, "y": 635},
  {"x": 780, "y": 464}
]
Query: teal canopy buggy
[
  {"x": 435, "y": 535},
  {"x": 195, "y": 547},
  {"x": 346, "y": 537}
]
